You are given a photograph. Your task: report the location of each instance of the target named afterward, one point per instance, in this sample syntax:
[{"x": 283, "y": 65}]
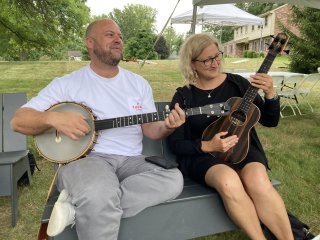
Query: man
[{"x": 114, "y": 180}]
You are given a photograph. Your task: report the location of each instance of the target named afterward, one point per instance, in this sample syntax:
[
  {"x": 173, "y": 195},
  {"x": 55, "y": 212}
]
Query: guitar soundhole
[{"x": 238, "y": 118}]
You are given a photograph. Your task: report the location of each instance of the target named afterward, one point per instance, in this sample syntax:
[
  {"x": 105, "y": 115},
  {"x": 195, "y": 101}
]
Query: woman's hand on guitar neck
[
  {"x": 264, "y": 82},
  {"x": 219, "y": 143},
  {"x": 71, "y": 124}
]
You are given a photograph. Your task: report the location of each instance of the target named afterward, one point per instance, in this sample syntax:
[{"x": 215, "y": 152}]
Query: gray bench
[
  {"x": 14, "y": 162},
  {"x": 198, "y": 211}
]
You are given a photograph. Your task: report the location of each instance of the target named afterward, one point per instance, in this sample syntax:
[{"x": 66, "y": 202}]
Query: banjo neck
[
  {"x": 129, "y": 120},
  {"x": 147, "y": 118}
]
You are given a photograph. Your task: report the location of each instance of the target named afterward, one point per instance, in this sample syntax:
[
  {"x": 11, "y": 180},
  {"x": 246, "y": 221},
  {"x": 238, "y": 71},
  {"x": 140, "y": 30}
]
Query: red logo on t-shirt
[{"x": 137, "y": 107}]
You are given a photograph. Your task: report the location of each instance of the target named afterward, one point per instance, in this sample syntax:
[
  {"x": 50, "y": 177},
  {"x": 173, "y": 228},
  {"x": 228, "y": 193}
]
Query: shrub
[
  {"x": 245, "y": 53},
  {"x": 250, "y": 53}
]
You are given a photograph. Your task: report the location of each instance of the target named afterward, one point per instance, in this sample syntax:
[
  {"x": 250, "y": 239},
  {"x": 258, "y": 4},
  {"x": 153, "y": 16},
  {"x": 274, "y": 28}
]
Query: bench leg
[
  {"x": 14, "y": 199},
  {"x": 27, "y": 166},
  {"x": 17, "y": 171}
]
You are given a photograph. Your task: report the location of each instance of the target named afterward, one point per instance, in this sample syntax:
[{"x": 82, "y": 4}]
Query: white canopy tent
[
  {"x": 306, "y": 3},
  {"x": 221, "y": 14},
  {"x": 196, "y": 3}
]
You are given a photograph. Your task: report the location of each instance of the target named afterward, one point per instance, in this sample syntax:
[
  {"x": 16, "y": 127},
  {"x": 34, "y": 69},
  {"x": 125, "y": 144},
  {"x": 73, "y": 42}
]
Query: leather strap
[{"x": 42, "y": 234}]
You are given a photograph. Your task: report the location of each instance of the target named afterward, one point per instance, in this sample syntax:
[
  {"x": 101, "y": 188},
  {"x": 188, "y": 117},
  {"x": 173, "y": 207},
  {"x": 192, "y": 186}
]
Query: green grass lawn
[{"x": 292, "y": 147}]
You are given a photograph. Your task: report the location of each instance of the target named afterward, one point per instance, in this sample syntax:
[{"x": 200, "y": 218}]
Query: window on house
[
  {"x": 266, "y": 21},
  {"x": 252, "y": 28}
]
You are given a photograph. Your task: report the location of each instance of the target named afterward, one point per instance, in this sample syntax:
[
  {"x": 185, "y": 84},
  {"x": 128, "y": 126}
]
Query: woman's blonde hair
[{"x": 190, "y": 50}]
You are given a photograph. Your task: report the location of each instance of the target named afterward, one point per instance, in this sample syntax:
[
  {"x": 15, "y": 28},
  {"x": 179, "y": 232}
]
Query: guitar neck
[
  {"x": 142, "y": 118},
  {"x": 252, "y": 91}
]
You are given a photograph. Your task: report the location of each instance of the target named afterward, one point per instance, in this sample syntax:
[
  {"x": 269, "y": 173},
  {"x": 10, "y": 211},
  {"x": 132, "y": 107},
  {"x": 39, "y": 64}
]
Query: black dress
[{"x": 185, "y": 141}]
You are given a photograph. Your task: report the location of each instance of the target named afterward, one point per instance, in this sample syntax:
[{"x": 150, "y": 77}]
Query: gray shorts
[{"x": 105, "y": 188}]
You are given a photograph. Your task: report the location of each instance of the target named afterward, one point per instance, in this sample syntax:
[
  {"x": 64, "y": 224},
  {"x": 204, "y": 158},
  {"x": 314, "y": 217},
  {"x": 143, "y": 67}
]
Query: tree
[
  {"x": 140, "y": 46},
  {"x": 133, "y": 18},
  {"x": 161, "y": 48},
  {"x": 177, "y": 43},
  {"x": 169, "y": 35},
  {"x": 225, "y": 33},
  {"x": 173, "y": 40},
  {"x": 256, "y": 8},
  {"x": 304, "y": 49},
  {"x": 37, "y": 25},
  {"x": 137, "y": 24}
]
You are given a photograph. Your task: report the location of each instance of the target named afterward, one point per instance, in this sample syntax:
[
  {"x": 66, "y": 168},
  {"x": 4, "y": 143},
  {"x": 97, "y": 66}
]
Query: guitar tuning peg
[
  {"x": 167, "y": 109},
  {"x": 286, "y": 51}
]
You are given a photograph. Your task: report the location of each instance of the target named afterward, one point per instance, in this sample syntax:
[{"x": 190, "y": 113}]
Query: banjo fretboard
[{"x": 214, "y": 109}]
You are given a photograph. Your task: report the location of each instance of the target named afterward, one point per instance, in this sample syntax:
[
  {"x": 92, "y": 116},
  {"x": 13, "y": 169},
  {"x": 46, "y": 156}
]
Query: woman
[{"x": 245, "y": 188}]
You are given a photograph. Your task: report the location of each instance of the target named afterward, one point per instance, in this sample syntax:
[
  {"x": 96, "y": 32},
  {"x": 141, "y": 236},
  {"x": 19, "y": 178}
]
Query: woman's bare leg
[
  {"x": 236, "y": 201},
  {"x": 268, "y": 203}
]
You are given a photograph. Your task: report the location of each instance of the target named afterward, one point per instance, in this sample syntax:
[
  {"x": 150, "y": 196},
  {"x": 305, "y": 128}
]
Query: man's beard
[{"x": 106, "y": 56}]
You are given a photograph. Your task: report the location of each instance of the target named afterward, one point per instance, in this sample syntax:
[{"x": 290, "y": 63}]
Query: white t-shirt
[{"x": 123, "y": 95}]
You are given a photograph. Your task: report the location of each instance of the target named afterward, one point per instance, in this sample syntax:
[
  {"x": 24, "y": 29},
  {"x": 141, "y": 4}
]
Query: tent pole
[{"x": 194, "y": 19}]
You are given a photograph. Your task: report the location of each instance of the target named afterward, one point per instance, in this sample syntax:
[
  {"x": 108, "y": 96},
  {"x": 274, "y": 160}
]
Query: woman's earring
[{"x": 195, "y": 75}]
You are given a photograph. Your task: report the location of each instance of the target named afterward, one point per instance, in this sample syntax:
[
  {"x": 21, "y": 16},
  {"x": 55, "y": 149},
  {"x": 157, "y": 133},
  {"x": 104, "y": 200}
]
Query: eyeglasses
[{"x": 208, "y": 62}]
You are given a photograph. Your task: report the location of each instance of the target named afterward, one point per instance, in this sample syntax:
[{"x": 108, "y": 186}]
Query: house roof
[{"x": 74, "y": 54}]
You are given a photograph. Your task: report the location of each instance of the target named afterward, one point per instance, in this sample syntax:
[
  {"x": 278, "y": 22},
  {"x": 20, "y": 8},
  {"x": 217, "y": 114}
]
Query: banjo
[{"x": 59, "y": 148}]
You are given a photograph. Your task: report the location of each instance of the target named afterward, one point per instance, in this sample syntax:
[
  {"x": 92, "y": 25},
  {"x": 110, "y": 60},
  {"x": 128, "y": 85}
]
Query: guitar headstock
[{"x": 278, "y": 44}]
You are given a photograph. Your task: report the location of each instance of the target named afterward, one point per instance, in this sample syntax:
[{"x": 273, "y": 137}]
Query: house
[
  {"x": 74, "y": 55},
  {"x": 253, "y": 37}
]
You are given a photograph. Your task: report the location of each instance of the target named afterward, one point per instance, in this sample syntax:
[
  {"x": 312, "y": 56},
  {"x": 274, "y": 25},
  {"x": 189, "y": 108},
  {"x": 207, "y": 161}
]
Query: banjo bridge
[{"x": 58, "y": 138}]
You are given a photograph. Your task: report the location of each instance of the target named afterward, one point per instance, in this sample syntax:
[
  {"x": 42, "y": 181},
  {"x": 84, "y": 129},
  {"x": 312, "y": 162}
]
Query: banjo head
[{"x": 59, "y": 148}]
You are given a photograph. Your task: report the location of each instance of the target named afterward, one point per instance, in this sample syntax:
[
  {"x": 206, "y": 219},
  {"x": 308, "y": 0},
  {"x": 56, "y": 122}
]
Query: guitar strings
[{"x": 128, "y": 120}]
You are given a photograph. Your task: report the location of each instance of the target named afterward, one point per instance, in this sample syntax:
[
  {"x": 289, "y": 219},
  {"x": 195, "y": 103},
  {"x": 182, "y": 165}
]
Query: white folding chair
[
  {"x": 307, "y": 86},
  {"x": 278, "y": 81},
  {"x": 288, "y": 93},
  {"x": 278, "y": 84}
]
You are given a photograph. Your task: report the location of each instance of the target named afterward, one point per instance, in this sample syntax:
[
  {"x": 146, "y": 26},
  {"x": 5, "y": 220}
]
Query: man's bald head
[{"x": 91, "y": 29}]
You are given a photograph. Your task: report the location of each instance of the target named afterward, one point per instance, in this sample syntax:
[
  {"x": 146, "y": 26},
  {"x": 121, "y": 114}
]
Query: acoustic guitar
[
  {"x": 243, "y": 113},
  {"x": 59, "y": 148}
]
